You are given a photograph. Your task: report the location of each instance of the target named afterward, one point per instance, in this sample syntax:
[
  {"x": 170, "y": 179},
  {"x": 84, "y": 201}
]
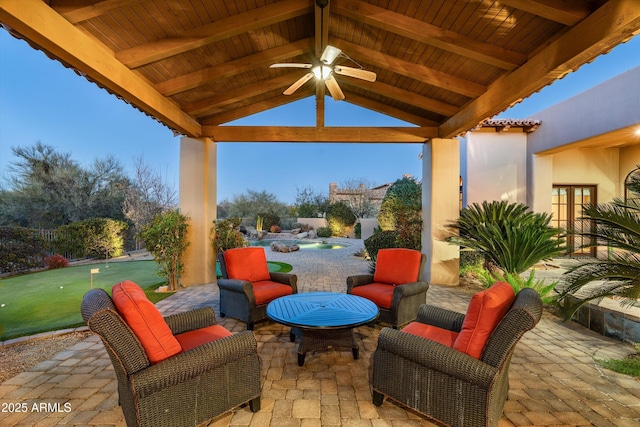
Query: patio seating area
[{"x": 553, "y": 377}]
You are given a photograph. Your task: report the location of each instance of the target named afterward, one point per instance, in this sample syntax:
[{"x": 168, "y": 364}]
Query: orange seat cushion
[
  {"x": 433, "y": 333},
  {"x": 397, "y": 266},
  {"x": 145, "y": 320},
  {"x": 248, "y": 264},
  {"x": 198, "y": 337},
  {"x": 266, "y": 291},
  {"x": 485, "y": 311},
  {"x": 381, "y": 294}
]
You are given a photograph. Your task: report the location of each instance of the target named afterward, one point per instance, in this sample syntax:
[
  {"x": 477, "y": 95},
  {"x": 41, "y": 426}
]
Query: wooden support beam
[
  {"x": 46, "y": 29},
  {"x": 567, "y": 12},
  {"x": 213, "y": 32},
  {"x": 76, "y": 11},
  {"x": 426, "y": 33},
  {"x": 613, "y": 23},
  {"x": 315, "y": 134},
  {"x": 232, "y": 68}
]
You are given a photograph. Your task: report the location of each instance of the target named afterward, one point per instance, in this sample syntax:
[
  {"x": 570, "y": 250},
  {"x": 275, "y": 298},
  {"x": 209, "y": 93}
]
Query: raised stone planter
[{"x": 608, "y": 318}]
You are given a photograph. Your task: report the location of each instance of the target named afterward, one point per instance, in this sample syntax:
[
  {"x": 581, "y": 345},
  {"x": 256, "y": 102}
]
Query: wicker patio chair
[
  {"x": 446, "y": 384},
  {"x": 186, "y": 389},
  {"x": 395, "y": 287},
  {"x": 247, "y": 286}
]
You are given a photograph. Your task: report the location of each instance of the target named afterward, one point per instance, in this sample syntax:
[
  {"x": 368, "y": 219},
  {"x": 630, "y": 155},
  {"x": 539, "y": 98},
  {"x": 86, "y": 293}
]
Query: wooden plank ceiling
[{"x": 442, "y": 65}]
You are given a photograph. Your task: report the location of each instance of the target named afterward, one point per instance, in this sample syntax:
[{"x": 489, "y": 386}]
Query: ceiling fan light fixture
[{"x": 322, "y": 72}]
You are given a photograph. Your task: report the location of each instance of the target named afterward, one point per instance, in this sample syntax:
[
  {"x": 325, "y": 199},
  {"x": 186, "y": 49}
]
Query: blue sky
[{"x": 40, "y": 100}]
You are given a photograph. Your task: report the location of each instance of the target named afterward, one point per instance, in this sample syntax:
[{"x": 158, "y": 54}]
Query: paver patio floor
[{"x": 553, "y": 379}]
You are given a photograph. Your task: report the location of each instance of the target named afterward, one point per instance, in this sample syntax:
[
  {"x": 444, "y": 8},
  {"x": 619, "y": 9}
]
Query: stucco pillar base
[
  {"x": 198, "y": 202},
  {"x": 440, "y": 206}
]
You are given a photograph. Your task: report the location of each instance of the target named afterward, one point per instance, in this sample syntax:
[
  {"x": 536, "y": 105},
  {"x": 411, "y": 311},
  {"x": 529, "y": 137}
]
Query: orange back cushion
[
  {"x": 397, "y": 266},
  {"x": 248, "y": 264},
  {"x": 145, "y": 320},
  {"x": 485, "y": 311}
]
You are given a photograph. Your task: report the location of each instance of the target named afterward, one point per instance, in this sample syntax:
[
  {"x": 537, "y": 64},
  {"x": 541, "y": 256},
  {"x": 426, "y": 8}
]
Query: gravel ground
[{"x": 19, "y": 358}]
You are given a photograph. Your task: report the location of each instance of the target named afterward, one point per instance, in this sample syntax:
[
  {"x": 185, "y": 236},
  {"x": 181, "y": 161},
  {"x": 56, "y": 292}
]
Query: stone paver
[{"x": 553, "y": 379}]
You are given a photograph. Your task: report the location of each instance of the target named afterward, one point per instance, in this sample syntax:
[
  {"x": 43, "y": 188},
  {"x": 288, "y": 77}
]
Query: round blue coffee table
[{"x": 322, "y": 319}]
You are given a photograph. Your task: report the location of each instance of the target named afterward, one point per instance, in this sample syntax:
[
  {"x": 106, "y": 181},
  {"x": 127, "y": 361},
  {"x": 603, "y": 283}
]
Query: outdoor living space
[{"x": 554, "y": 379}]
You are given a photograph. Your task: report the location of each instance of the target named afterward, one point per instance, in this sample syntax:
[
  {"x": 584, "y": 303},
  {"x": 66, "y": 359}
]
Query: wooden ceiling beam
[
  {"x": 613, "y": 23},
  {"x": 45, "y": 28},
  {"x": 254, "y": 108},
  {"x": 403, "y": 95},
  {"x": 409, "y": 69},
  {"x": 210, "y": 33},
  {"x": 567, "y": 12},
  {"x": 429, "y": 34},
  {"x": 232, "y": 68},
  {"x": 206, "y": 106},
  {"x": 321, "y": 20},
  {"x": 76, "y": 11},
  {"x": 388, "y": 110},
  {"x": 316, "y": 134}
]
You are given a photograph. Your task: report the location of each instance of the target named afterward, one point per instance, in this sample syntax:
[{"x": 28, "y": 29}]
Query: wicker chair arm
[
  {"x": 358, "y": 280},
  {"x": 286, "y": 279},
  {"x": 409, "y": 289},
  {"x": 190, "y": 364},
  {"x": 438, "y": 357},
  {"x": 191, "y": 320},
  {"x": 440, "y": 317}
]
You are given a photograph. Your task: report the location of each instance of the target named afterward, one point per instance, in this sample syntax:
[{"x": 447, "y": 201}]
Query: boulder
[
  {"x": 302, "y": 235},
  {"x": 295, "y": 231},
  {"x": 284, "y": 247}
]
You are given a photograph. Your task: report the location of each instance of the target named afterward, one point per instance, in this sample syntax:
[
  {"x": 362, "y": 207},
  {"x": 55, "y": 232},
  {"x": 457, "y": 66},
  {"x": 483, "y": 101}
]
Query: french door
[{"x": 567, "y": 202}]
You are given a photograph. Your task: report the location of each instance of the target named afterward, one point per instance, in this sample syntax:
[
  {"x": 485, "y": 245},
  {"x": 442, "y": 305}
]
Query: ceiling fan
[{"x": 325, "y": 69}]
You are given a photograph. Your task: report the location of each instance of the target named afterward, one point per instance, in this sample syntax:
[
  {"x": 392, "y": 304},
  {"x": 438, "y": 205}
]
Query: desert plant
[
  {"x": 617, "y": 226},
  {"x": 259, "y": 224},
  {"x": 269, "y": 220},
  {"x": 339, "y": 217},
  {"x": 324, "y": 232},
  {"x": 166, "y": 239},
  {"x": 225, "y": 234},
  {"x": 508, "y": 236}
]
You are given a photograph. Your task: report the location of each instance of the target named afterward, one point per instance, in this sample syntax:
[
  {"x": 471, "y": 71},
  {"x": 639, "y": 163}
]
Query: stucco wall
[
  {"x": 629, "y": 160},
  {"x": 495, "y": 166},
  {"x": 592, "y": 166}
]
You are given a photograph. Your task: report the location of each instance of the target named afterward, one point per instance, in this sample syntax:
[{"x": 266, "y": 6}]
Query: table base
[{"x": 321, "y": 339}]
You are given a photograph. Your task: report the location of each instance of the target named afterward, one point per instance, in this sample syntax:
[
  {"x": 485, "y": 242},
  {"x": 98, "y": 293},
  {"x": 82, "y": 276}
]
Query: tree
[
  {"x": 251, "y": 204},
  {"x": 166, "y": 239},
  {"x": 47, "y": 189},
  {"x": 147, "y": 196},
  {"x": 401, "y": 211},
  {"x": 311, "y": 204},
  {"x": 617, "y": 226},
  {"x": 339, "y": 217},
  {"x": 358, "y": 194},
  {"x": 508, "y": 236}
]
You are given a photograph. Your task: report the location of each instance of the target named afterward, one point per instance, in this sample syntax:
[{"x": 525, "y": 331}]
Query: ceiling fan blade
[
  {"x": 294, "y": 87},
  {"x": 334, "y": 88},
  {"x": 330, "y": 54},
  {"x": 358, "y": 73},
  {"x": 290, "y": 65}
]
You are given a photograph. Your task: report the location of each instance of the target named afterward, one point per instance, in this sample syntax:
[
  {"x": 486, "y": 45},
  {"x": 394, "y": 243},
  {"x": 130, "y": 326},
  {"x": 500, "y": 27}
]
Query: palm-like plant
[
  {"x": 617, "y": 226},
  {"x": 507, "y": 235}
]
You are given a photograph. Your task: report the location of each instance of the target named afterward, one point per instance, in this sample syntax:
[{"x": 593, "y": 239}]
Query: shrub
[
  {"x": 225, "y": 234},
  {"x": 546, "y": 291},
  {"x": 339, "y": 217},
  {"x": 56, "y": 261},
  {"x": 404, "y": 196},
  {"x": 324, "y": 232},
  {"x": 358, "y": 230},
  {"x": 166, "y": 239},
  {"x": 381, "y": 240},
  {"x": 91, "y": 238},
  {"x": 20, "y": 249}
]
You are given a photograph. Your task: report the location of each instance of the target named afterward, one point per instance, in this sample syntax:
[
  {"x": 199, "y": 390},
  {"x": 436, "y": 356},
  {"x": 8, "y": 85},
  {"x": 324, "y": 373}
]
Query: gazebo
[{"x": 441, "y": 66}]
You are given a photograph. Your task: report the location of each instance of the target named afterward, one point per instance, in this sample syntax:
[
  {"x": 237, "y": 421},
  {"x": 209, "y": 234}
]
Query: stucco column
[
  {"x": 540, "y": 175},
  {"x": 440, "y": 206},
  {"x": 198, "y": 202}
]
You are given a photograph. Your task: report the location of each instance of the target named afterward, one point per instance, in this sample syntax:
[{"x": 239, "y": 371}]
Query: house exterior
[{"x": 581, "y": 150}]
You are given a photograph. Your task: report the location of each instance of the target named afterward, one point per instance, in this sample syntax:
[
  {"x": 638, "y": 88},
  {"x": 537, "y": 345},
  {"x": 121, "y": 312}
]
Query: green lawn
[{"x": 50, "y": 300}]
